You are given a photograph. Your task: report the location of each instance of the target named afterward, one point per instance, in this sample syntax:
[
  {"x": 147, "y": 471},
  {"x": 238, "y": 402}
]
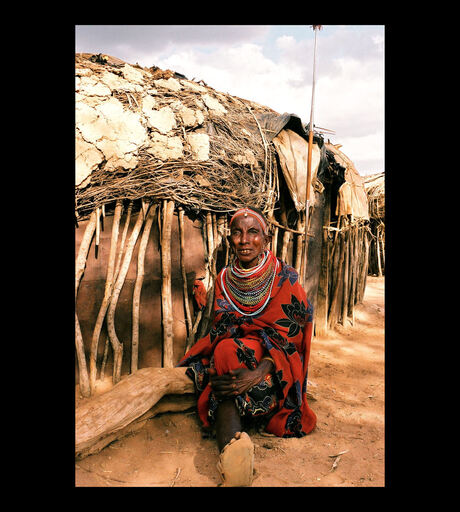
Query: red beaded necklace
[{"x": 249, "y": 290}]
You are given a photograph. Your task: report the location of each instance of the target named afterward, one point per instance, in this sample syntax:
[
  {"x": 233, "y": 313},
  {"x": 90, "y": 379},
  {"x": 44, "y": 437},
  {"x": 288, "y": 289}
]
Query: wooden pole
[
  {"x": 322, "y": 297},
  {"x": 379, "y": 265},
  {"x": 116, "y": 344},
  {"x": 310, "y": 147},
  {"x": 275, "y": 241},
  {"x": 80, "y": 262},
  {"x": 346, "y": 275},
  {"x": 79, "y": 270},
  {"x": 107, "y": 294},
  {"x": 188, "y": 317},
  {"x": 333, "y": 311},
  {"x": 138, "y": 286},
  {"x": 298, "y": 253},
  {"x": 166, "y": 294},
  {"x": 85, "y": 389}
]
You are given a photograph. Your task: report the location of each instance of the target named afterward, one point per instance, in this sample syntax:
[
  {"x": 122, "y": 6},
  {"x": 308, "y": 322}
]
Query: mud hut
[
  {"x": 375, "y": 189},
  {"x": 161, "y": 163}
]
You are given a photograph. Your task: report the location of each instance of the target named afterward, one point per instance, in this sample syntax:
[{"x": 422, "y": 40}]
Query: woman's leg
[{"x": 228, "y": 421}]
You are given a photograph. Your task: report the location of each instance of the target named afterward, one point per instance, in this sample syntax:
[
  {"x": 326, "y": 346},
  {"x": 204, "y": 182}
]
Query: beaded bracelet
[{"x": 268, "y": 359}]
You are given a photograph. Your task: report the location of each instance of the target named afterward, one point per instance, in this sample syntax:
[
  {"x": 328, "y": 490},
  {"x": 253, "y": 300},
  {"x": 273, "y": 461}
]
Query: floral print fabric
[{"x": 283, "y": 330}]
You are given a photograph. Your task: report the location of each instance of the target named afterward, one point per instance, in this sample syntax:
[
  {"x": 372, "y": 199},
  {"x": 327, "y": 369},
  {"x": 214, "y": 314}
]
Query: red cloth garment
[
  {"x": 282, "y": 330},
  {"x": 199, "y": 294}
]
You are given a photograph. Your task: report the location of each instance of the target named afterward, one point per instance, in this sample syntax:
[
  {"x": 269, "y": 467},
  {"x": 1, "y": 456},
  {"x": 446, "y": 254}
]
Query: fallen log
[
  {"x": 169, "y": 403},
  {"x": 103, "y": 418}
]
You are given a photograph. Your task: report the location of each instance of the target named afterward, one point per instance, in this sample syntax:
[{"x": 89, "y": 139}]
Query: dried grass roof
[
  {"x": 234, "y": 166},
  {"x": 375, "y": 189}
]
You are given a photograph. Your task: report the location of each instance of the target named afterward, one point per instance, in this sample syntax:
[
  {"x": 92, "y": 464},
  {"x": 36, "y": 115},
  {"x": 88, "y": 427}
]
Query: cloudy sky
[{"x": 272, "y": 65}]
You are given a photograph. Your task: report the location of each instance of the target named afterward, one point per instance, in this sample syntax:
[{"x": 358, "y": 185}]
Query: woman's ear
[{"x": 268, "y": 240}]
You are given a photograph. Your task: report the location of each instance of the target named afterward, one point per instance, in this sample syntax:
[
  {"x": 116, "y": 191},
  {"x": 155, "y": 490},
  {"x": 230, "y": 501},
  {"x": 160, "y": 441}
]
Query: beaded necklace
[{"x": 249, "y": 290}]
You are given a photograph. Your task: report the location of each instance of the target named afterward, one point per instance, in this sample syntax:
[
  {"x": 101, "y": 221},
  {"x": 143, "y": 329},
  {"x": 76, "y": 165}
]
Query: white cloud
[{"x": 235, "y": 59}]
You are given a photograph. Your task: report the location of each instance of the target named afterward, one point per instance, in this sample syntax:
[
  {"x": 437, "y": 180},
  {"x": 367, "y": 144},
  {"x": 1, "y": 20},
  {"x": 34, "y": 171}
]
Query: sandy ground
[{"x": 346, "y": 449}]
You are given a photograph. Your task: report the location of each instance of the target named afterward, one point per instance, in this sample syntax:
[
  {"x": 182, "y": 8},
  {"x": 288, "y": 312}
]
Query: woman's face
[{"x": 247, "y": 240}]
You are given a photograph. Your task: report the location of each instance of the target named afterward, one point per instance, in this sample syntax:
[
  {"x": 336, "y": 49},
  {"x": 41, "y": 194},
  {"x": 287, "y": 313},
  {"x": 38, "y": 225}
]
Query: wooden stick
[
  {"x": 123, "y": 239},
  {"x": 83, "y": 372},
  {"x": 285, "y": 228},
  {"x": 80, "y": 262},
  {"x": 275, "y": 241},
  {"x": 284, "y": 249},
  {"x": 344, "y": 308},
  {"x": 116, "y": 344},
  {"x": 107, "y": 294},
  {"x": 332, "y": 316},
  {"x": 79, "y": 270},
  {"x": 98, "y": 231},
  {"x": 188, "y": 317},
  {"x": 166, "y": 298},
  {"x": 191, "y": 336},
  {"x": 323, "y": 279},
  {"x": 379, "y": 265},
  {"x": 299, "y": 238},
  {"x": 210, "y": 237},
  {"x": 104, "y": 359},
  {"x": 138, "y": 287}
]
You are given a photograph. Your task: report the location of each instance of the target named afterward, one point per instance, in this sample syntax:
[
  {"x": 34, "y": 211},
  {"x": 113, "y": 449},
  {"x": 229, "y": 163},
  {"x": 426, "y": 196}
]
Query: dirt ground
[{"x": 346, "y": 449}]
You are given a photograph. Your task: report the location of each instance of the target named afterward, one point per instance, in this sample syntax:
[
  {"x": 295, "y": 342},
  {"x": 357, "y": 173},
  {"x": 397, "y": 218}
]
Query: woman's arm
[{"x": 240, "y": 380}]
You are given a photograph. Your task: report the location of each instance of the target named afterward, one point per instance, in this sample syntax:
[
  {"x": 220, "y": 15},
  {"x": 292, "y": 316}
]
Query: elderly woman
[{"x": 251, "y": 368}]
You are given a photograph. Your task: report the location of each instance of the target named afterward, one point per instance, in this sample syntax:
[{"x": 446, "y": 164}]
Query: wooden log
[
  {"x": 138, "y": 287},
  {"x": 166, "y": 294},
  {"x": 188, "y": 316},
  {"x": 169, "y": 403},
  {"x": 109, "y": 413},
  {"x": 107, "y": 295},
  {"x": 116, "y": 344}
]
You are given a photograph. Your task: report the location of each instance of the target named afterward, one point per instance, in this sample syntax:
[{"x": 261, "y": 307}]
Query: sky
[{"x": 272, "y": 65}]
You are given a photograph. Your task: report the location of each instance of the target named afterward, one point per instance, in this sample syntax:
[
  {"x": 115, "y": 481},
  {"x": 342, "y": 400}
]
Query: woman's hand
[{"x": 237, "y": 381}]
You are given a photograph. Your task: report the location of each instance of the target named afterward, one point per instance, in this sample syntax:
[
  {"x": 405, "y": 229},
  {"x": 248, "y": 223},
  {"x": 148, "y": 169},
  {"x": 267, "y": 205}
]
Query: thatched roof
[
  {"x": 375, "y": 189},
  {"x": 144, "y": 132},
  {"x": 352, "y": 198}
]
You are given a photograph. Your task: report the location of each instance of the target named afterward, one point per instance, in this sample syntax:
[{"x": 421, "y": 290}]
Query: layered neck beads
[{"x": 249, "y": 290}]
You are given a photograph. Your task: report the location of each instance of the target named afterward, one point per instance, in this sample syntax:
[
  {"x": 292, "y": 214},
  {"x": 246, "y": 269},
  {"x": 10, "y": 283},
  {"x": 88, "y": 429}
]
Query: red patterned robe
[{"x": 281, "y": 331}]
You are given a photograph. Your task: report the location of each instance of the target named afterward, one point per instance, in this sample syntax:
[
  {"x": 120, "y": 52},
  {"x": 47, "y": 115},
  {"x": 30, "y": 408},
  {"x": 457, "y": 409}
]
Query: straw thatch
[{"x": 375, "y": 189}]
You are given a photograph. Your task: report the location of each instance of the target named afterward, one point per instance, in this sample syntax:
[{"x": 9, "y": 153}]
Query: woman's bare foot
[{"x": 236, "y": 461}]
